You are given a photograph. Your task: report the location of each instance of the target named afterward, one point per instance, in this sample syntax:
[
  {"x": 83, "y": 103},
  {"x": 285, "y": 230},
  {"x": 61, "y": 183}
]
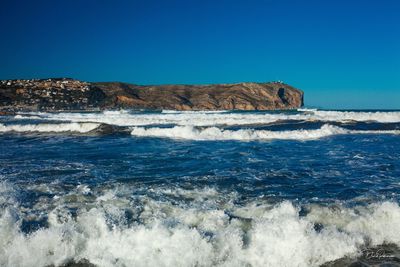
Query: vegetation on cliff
[{"x": 70, "y": 94}]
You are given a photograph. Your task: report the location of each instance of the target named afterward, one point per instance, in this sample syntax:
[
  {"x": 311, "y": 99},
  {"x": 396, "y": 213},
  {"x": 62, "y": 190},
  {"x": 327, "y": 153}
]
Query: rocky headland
[{"x": 61, "y": 94}]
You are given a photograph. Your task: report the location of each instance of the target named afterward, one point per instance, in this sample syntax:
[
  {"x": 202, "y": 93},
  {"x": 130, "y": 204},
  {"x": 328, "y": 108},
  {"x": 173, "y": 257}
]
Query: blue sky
[{"x": 343, "y": 54}]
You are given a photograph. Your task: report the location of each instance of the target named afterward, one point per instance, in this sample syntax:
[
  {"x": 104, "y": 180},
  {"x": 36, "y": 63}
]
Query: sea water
[{"x": 167, "y": 188}]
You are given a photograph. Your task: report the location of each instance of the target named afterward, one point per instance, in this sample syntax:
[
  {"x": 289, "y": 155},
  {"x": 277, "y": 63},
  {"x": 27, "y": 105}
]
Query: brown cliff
[{"x": 69, "y": 94}]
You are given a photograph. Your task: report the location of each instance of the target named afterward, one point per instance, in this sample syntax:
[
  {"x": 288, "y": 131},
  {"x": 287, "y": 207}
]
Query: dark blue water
[
  {"x": 225, "y": 193},
  {"x": 337, "y": 168}
]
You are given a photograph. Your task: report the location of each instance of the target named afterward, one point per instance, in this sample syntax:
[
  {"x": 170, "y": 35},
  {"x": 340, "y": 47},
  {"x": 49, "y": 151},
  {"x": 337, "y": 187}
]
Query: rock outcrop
[{"x": 69, "y": 94}]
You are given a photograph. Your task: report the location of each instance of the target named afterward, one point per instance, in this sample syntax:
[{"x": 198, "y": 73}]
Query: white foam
[
  {"x": 204, "y": 118},
  {"x": 214, "y": 133},
  {"x": 48, "y": 127},
  {"x": 177, "y": 118},
  {"x": 377, "y": 223},
  {"x": 115, "y": 112},
  {"x": 307, "y": 109},
  {"x": 387, "y": 117},
  {"x": 174, "y": 235},
  {"x": 166, "y": 111},
  {"x": 25, "y": 117}
]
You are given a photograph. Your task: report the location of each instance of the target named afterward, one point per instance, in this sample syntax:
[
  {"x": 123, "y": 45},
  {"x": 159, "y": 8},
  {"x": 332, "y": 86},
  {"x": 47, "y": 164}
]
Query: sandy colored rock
[
  {"x": 69, "y": 94},
  {"x": 241, "y": 96}
]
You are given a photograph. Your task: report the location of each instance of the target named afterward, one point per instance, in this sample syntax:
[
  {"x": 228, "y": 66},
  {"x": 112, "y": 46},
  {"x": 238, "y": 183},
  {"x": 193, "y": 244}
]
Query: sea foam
[
  {"x": 214, "y": 118},
  {"x": 214, "y": 133},
  {"x": 50, "y": 127},
  {"x": 199, "y": 234}
]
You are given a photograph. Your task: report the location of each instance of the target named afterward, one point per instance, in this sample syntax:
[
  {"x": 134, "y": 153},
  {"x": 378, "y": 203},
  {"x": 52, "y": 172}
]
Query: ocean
[{"x": 306, "y": 187}]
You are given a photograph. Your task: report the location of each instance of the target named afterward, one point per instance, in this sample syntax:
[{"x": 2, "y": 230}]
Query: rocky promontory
[{"x": 68, "y": 94}]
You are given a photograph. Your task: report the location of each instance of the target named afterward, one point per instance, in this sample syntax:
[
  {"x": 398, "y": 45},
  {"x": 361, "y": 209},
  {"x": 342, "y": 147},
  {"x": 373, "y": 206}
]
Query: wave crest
[
  {"x": 78, "y": 127},
  {"x": 214, "y": 133},
  {"x": 177, "y": 236},
  {"x": 214, "y": 118}
]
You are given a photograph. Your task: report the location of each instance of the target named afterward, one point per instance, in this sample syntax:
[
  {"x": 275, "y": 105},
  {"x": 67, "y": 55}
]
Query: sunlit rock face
[{"x": 69, "y": 94}]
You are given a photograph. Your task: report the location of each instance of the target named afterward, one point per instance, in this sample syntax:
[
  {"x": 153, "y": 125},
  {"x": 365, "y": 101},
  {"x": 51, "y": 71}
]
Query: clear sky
[{"x": 343, "y": 54}]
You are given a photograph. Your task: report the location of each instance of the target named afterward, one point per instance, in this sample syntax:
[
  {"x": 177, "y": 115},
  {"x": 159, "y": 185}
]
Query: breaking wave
[
  {"x": 379, "y": 116},
  {"x": 214, "y": 133},
  {"x": 114, "y": 229},
  {"x": 77, "y": 127},
  {"x": 214, "y": 118},
  {"x": 166, "y": 111}
]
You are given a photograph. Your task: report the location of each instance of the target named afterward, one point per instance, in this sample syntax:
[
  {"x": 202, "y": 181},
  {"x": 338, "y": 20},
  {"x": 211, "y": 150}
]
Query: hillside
[{"x": 69, "y": 94}]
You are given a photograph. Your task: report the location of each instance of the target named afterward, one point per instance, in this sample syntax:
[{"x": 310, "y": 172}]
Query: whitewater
[
  {"x": 211, "y": 118},
  {"x": 303, "y": 187}
]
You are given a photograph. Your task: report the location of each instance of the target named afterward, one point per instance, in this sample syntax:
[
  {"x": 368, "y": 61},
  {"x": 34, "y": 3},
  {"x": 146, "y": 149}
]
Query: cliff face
[{"x": 69, "y": 94}]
